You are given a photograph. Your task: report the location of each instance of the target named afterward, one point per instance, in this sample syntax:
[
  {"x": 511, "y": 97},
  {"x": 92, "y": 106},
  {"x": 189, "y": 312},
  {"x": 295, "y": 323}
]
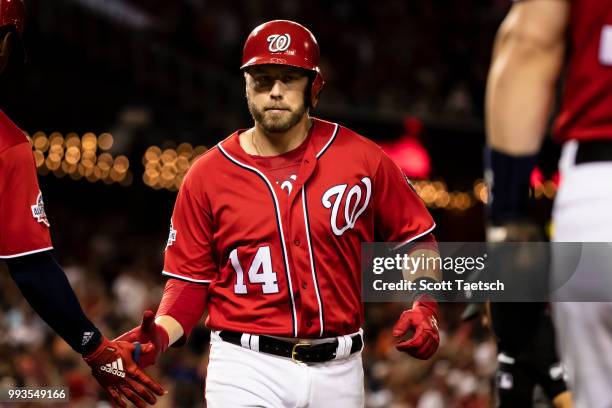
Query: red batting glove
[
  {"x": 112, "y": 365},
  {"x": 422, "y": 318},
  {"x": 147, "y": 333}
]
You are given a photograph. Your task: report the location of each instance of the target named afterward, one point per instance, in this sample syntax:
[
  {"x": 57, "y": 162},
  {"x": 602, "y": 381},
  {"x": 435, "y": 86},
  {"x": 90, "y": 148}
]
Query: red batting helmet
[
  {"x": 284, "y": 42},
  {"x": 12, "y": 14}
]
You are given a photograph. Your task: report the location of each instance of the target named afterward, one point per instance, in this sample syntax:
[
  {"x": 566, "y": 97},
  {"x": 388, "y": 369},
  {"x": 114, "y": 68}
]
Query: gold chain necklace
[{"x": 253, "y": 142}]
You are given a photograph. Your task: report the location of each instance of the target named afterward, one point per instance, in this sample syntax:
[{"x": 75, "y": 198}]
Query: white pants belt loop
[
  {"x": 344, "y": 347},
  {"x": 245, "y": 340}
]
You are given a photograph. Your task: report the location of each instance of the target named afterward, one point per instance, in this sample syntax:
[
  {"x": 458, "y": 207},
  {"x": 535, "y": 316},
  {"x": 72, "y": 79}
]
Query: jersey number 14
[{"x": 259, "y": 272}]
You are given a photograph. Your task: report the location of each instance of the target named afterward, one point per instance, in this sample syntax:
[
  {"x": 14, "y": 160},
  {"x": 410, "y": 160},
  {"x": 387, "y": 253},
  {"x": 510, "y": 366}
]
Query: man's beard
[{"x": 274, "y": 123}]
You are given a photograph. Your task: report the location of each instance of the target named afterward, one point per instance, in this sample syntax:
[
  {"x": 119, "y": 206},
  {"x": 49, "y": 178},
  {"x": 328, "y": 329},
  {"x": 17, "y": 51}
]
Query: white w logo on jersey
[
  {"x": 353, "y": 198},
  {"x": 279, "y": 42}
]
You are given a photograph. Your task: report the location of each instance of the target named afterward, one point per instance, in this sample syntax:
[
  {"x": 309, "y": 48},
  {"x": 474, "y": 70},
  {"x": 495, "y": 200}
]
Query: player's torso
[
  {"x": 290, "y": 263},
  {"x": 586, "y": 111}
]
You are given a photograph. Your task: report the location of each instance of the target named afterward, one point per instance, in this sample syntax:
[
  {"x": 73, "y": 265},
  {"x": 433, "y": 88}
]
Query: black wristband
[
  {"x": 508, "y": 178},
  {"x": 93, "y": 342}
]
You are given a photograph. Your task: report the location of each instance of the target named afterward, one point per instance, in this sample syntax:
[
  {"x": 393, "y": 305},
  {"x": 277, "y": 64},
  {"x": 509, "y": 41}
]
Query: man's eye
[{"x": 263, "y": 80}]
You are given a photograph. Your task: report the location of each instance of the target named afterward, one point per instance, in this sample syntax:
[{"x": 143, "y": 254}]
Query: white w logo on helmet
[{"x": 279, "y": 42}]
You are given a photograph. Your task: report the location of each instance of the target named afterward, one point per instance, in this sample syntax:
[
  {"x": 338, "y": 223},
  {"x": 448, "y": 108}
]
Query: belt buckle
[{"x": 294, "y": 350}]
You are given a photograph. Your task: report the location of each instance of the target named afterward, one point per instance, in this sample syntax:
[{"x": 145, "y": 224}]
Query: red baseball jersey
[
  {"x": 586, "y": 110},
  {"x": 24, "y": 228},
  {"x": 286, "y": 261}
]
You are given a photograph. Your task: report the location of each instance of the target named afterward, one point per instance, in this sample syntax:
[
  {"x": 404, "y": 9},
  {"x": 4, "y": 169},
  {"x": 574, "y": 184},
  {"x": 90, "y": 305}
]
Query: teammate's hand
[
  {"x": 112, "y": 365},
  {"x": 147, "y": 333},
  {"x": 422, "y": 318}
]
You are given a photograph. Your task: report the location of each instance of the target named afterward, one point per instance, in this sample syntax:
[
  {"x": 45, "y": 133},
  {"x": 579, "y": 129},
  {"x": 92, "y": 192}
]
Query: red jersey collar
[{"x": 322, "y": 136}]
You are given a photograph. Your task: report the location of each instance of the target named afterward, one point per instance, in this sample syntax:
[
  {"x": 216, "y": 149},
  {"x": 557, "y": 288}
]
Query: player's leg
[
  {"x": 240, "y": 378},
  {"x": 586, "y": 345},
  {"x": 544, "y": 363},
  {"x": 584, "y": 330},
  {"x": 338, "y": 383},
  {"x": 513, "y": 384},
  {"x": 528, "y": 356}
]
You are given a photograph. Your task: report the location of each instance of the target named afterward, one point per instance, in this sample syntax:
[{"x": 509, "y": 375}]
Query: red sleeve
[
  {"x": 189, "y": 252},
  {"x": 24, "y": 228},
  {"x": 400, "y": 215},
  {"x": 185, "y": 302}
]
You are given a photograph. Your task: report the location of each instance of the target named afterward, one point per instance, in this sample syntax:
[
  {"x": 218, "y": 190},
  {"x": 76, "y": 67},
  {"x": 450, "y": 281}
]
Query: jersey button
[
  {"x": 297, "y": 242},
  {"x": 304, "y": 285}
]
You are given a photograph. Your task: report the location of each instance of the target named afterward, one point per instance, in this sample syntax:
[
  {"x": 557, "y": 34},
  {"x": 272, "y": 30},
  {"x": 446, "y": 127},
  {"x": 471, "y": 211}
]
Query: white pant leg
[
  {"x": 338, "y": 383},
  {"x": 239, "y": 378},
  {"x": 584, "y": 338},
  {"x": 583, "y": 213}
]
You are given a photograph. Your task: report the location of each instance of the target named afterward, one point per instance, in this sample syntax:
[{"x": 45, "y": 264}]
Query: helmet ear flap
[{"x": 314, "y": 90}]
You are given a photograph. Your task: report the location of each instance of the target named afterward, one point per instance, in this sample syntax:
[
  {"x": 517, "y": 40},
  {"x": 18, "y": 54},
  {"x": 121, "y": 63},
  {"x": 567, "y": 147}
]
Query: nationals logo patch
[
  {"x": 38, "y": 210},
  {"x": 353, "y": 204},
  {"x": 171, "y": 236},
  {"x": 279, "y": 42}
]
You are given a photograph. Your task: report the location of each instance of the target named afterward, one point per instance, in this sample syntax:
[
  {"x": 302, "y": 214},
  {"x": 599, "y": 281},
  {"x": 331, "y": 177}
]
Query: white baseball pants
[
  {"x": 238, "y": 378},
  {"x": 583, "y": 213}
]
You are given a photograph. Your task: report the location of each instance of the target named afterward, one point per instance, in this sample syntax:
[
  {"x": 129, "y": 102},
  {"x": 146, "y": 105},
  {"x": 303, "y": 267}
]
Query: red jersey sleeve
[
  {"x": 399, "y": 213},
  {"x": 189, "y": 252},
  {"x": 24, "y": 228}
]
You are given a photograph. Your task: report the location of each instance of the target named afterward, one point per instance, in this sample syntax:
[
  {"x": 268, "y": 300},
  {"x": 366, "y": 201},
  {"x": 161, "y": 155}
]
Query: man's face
[{"x": 276, "y": 96}]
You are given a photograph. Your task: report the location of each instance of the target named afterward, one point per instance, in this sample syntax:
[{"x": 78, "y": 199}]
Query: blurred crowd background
[{"x": 162, "y": 78}]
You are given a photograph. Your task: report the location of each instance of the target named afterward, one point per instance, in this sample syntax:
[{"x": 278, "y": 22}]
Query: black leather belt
[
  {"x": 300, "y": 351},
  {"x": 594, "y": 151}
]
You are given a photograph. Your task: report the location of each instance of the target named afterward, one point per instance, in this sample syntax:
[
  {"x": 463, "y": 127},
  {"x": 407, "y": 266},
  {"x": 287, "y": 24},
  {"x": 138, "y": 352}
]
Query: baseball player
[
  {"x": 25, "y": 247},
  {"x": 535, "y": 40},
  {"x": 266, "y": 234}
]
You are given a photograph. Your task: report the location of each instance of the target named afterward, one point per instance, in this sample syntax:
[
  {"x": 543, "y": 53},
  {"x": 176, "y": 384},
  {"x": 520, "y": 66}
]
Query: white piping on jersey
[
  {"x": 312, "y": 267},
  {"x": 331, "y": 139},
  {"x": 174, "y": 275},
  {"x": 415, "y": 237},
  {"x": 26, "y": 253},
  {"x": 280, "y": 226}
]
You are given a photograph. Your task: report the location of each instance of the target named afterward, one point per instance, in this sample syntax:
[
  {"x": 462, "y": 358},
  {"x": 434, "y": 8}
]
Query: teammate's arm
[
  {"x": 44, "y": 285},
  {"x": 527, "y": 59},
  {"x": 25, "y": 246}
]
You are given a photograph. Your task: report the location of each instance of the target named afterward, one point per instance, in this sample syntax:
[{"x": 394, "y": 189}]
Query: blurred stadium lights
[
  {"x": 78, "y": 157},
  {"x": 165, "y": 169},
  {"x": 408, "y": 152},
  {"x": 411, "y": 156}
]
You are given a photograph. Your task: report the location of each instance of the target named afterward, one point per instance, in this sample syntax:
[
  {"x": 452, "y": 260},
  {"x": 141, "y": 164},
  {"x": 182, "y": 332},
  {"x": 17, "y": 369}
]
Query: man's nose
[{"x": 278, "y": 87}]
